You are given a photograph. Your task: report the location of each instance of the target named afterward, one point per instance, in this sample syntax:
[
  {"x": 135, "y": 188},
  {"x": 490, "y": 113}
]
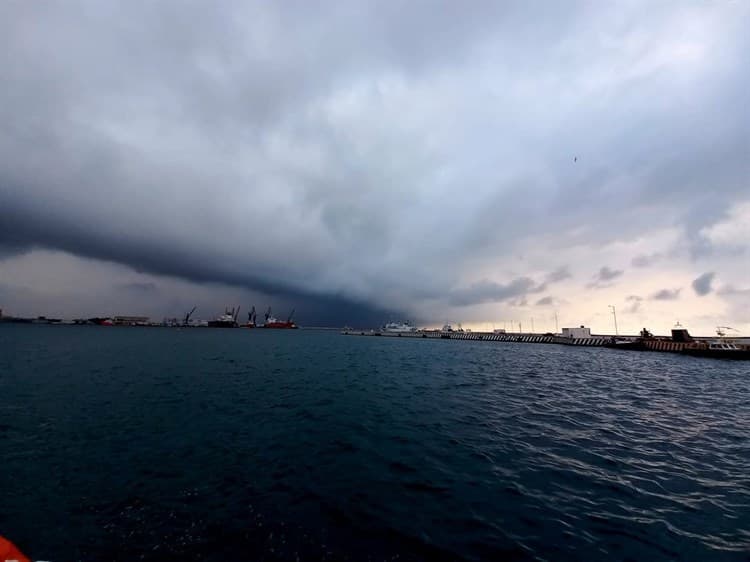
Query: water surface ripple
[{"x": 156, "y": 444}]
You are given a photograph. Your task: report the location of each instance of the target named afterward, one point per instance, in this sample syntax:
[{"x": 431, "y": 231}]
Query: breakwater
[
  {"x": 594, "y": 341},
  {"x": 659, "y": 344}
]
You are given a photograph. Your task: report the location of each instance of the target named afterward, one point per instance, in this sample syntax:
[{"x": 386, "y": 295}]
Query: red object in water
[{"x": 8, "y": 552}]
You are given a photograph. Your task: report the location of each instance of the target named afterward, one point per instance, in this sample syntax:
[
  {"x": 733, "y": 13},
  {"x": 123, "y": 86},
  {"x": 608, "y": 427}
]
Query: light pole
[{"x": 614, "y": 313}]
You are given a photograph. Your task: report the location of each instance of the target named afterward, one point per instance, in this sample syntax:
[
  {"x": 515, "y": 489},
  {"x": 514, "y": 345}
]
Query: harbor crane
[{"x": 187, "y": 316}]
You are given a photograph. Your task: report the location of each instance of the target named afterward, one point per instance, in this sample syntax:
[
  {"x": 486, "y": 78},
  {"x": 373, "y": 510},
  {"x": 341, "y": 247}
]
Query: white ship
[{"x": 398, "y": 327}]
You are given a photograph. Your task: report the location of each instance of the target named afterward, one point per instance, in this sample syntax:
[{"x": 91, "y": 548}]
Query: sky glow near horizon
[{"x": 365, "y": 161}]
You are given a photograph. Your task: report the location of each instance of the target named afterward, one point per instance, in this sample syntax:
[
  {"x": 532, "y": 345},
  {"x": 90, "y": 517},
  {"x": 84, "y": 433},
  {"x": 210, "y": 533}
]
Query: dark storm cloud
[
  {"x": 702, "y": 284},
  {"x": 138, "y": 287},
  {"x": 666, "y": 295},
  {"x": 489, "y": 291},
  {"x": 362, "y": 154},
  {"x": 545, "y": 301}
]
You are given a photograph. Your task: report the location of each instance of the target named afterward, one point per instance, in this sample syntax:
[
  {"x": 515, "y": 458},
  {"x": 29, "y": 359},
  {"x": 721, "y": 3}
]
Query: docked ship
[
  {"x": 275, "y": 323},
  {"x": 398, "y": 327},
  {"x": 226, "y": 320}
]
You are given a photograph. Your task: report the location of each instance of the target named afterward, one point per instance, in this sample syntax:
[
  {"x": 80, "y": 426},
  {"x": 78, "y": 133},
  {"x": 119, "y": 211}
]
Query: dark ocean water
[{"x": 159, "y": 444}]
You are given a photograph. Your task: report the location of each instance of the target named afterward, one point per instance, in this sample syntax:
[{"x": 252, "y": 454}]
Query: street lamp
[{"x": 614, "y": 313}]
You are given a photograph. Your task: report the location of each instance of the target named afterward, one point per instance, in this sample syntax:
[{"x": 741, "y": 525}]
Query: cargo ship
[
  {"x": 277, "y": 324},
  {"x": 226, "y": 320}
]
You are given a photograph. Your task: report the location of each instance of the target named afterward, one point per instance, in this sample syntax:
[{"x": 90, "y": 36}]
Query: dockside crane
[
  {"x": 289, "y": 320},
  {"x": 187, "y": 316},
  {"x": 251, "y": 316},
  {"x": 268, "y": 314},
  {"x": 235, "y": 314}
]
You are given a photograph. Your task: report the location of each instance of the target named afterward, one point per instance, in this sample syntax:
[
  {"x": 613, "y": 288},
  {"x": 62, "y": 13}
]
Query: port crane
[
  {"x": 187, "y": 316},
  {"x": 289, "y": 320},
  {"x": 251, "y": 316}
]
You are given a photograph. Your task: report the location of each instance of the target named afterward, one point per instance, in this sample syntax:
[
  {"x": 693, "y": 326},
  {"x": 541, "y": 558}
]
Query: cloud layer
[{"x": 425, "y": 159}]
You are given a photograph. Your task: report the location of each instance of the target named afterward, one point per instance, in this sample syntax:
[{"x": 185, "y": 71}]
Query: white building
[{"x": 576, "y": 333}]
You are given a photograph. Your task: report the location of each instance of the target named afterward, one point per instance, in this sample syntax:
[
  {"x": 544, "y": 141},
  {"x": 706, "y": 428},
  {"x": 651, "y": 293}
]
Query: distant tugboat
[
  {"x": 276, "y": 324},
  {"x": 226, "y": 320}
]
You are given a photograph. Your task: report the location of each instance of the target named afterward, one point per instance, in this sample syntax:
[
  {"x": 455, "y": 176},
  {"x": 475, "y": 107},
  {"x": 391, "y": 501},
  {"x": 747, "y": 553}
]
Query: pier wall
[
  {"x": 656, "y": 344},
  {"x": 596, "y": 341}
]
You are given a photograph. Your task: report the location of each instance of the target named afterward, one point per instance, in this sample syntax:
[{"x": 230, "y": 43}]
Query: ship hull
[
  {"x": 736, "y": 354},
  {"x": 221, "y": 324}
]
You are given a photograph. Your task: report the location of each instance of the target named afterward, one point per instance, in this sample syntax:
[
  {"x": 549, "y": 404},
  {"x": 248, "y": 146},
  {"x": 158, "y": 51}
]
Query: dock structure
[
  {"x": 594, "y": 341},
  {"x": 680, "y": 342}
]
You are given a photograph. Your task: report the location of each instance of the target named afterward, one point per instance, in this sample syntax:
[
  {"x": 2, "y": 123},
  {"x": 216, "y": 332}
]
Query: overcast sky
[{"x": 483, "y": 162}]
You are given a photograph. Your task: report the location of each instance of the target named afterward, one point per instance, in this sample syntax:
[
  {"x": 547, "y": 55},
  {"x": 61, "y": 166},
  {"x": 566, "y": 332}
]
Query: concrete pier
[{"x": 594, "y": 341}]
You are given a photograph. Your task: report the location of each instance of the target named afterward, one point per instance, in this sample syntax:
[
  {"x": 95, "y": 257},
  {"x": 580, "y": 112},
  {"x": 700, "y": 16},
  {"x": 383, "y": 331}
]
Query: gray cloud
[
  {"x": 545, "y": 301},
  {"x": 490, "y": 291},
  {"x": 646, "y": 260},
  {"x": 604, "y": 276},
  {"x": 731, "y": 290},
  {"x": 635, "y": 304},
  {"x": 335, "y": 154},
  {"x": 560, "y": 274},
  {"x": 702, "y": 283},
  {"x": 666, "y": 295},
  {"x": 137, "y": 287},
  {"x": 607, "y": 274}
]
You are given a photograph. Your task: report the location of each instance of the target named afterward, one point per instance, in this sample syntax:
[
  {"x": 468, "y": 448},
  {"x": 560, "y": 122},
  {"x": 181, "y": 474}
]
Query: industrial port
[
  {"x": 681, "y": 341},
  {"x": 229, "y": 319}
]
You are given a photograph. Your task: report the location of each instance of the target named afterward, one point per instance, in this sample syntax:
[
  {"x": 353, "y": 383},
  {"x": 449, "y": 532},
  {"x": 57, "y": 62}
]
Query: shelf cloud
[{"x": 419, "y": 160}]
